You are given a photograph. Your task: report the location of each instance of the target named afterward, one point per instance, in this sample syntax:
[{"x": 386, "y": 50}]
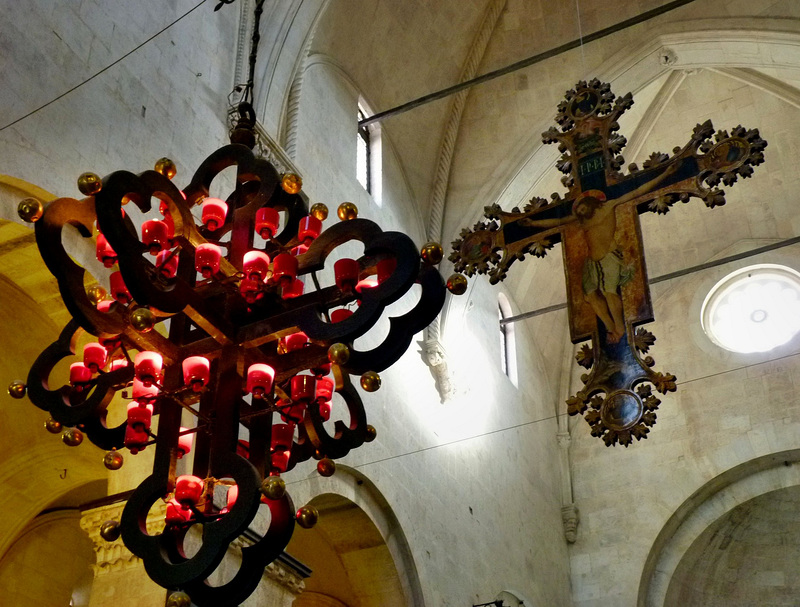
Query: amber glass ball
[
  {"x": 110, "y": 531},
  {"x": 113, "y": 460},
  {"x": 319, "y": 211},
  {"x": 90, "y": 184},
  {"x": 179, "y": 599},
  {"x": 72, "y": 437},
  {"x": 338, "y": 354},
  {"x": 96, "y": 294},
  {"x": 432, "y": 253},
  {"x": 457, "y": 284},
  {"x": 17, "y": 389},
  {"x": 307, "y": 517},
  {"x": 273, "y": 487},
  {"x": 370, "y": 381},
  {"x": 326, "y": 466},
  {"x": 30, "y": 209},
  {"x": 143, "y": 320},
  {"x": 52, "y": 426},
  {"x": 291, "y": 183},
  {"x": 347, "y": 211},
  {"x": 372, "y": 433},
  {"x": 166, "y": 167}
]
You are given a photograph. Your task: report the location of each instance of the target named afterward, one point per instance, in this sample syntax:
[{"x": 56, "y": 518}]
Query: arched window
[
  {"x": 368, "y": 154},
  {"x": 508, "y": 350}
]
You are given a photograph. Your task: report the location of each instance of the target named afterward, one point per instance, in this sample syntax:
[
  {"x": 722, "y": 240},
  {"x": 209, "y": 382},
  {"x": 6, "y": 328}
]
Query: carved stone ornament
[{"x": 597, "y": 221}]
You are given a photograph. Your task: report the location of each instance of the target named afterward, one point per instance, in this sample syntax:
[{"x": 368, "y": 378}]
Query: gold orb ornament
[
  {"x": 372, "y": 433},
  {"x": 17, "y": 389},
  {"x": 113, "y": 460},
  {"x": 291, "y": 183},
  {"x": 30, "y": 209},
  {"x": 370, "y": 381},
  {"x": 72, "y": 437},
  {"x": 326, "y": 467},
  {"x": 347, "y": 211},
  {"x": 457, "y": 284},
  {"x": 273, "y": 487},
  {"x": 319, "y": 210},
  {"x": 143, "y": 320},
  {"x": 166, "y": 167},
  {"x": 110, "y": 531},
  {"x": 307, "y": 517},
  {"x": 52, "y": 426},
  {"x": 90, "y": 184},
  {"x": 338, "y": 354},
  {"x": 179, "y": 599},
  {"x": 432, "y": 253},
  {"x": 96, "y": 294}
]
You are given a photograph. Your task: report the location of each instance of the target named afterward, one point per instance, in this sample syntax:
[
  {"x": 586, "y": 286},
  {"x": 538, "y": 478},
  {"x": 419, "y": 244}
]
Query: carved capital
[
  {"x": 564, "y": 440},
  {"x": 570, "y": 517},
  {"x": 114, "y": 556}
]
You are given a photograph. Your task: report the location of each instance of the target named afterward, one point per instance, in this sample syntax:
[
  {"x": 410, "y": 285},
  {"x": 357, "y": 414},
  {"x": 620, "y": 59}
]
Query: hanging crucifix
[{"x": 598, "y": 224}]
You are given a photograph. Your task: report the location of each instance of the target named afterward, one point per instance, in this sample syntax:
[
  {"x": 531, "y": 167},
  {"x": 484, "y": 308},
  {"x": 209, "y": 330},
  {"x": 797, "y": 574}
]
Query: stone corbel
[{"x": 436, "y": 358}]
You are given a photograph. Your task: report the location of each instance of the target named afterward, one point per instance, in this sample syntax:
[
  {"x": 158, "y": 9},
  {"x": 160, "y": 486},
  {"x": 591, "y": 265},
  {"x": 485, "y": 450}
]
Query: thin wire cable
[
  {"x": 92, "y": 77},
  {"x": 580, "y": 37}
]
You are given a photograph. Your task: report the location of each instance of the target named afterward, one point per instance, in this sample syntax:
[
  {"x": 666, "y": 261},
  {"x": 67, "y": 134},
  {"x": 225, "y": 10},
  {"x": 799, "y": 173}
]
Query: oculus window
[{"x": 754, "y": 309}]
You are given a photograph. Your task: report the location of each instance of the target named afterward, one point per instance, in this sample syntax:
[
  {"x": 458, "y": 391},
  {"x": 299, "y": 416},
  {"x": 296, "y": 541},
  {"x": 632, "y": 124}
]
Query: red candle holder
[
  {"x": 140, "y": 415},
  {"x": 144, "y": 394},
  {"x": 324, "y": 390},
  {"x": 155, "y": 235},
  {"x": 385, "y": 268},
  {"x": 267, "y": 222},
  {"x": 147, "y": 367},
  {"x": 282, "y": 436},
  {"x": 214, "y": 213},
  {"x": 230, "y": 500},
  {"x": 79, "y": 376},
  {"x": 135, "y": 440},
  {"x": 259, "y": 379},
  {"x": 280, "y": 460},
  {"x": 206, "y": 259},
  {"x": 251, "y": 290},
  {"x": 340, "y": 314},
  {"x": 112, "y": 342},
  {"x": 185, "y": 442},
  {"x": 167, "y": 264},
  {"x": 346, "y": 272},
  {"x": 104, "y": 306},
  {"x": 170, "y": 223},
  {"x": 303, "y": 388},
  {"x": 284, "y": 267},
  {"x": 293, "y": 289},
  {"x": 196, "y": 372},
  {"x": 94, "y": 356},
  {"x": 256, "y": 265},
  {"x": 119, "y": 363},
  {"x": 310, "y": 227},
  {"x": 105, "y": 253},
  {"x": 294, "y": 341},
  {"x": 321, "y": 370},
  {"x": 118, "y": 289},
  {"x": 176, "y": 515},
  {"x": 325, "y": 410},
  {"x": 188, "y": 490},
  {"x": 368, "y": 282}
]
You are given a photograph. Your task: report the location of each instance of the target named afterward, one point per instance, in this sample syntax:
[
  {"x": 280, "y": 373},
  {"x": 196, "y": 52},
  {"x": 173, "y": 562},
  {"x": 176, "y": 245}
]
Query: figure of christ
[{"x": 604, "y": 270}]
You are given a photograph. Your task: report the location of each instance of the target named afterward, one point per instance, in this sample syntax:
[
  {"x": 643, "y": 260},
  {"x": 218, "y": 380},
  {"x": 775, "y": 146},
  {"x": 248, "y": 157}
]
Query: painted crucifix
[{"x": 598, "y": 224}]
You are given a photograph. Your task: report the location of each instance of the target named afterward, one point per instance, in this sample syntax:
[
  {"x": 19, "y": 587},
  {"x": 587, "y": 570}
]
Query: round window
[{"x": 753, "y": 309}]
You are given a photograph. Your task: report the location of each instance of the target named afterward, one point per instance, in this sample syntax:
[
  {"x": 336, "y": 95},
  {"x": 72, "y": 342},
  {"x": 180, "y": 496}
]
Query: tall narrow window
[
  {"x": 363, "y": 160},
  {"x": 508, "y": 350}
]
